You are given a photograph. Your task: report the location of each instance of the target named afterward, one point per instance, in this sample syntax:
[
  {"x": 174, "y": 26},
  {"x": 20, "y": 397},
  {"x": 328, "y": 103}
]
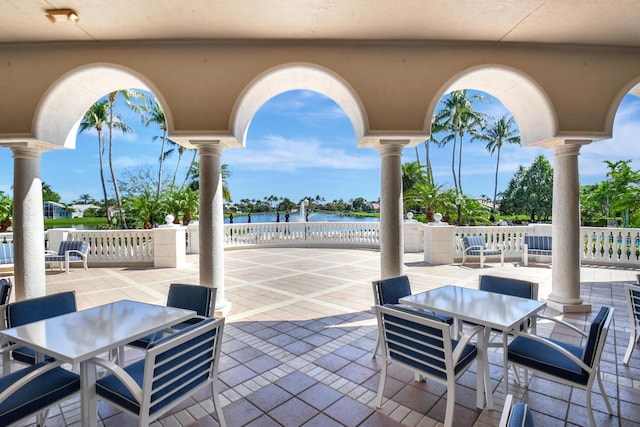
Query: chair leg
[
  {"x": 217, "y": 407},
  {"x": 383, "y": 380},
  {"x": 604, "y": 393},
  {"x": 375, "y": 349},
  {"x": 633, "y": 338},
  {"x": 451, "y": 402}
]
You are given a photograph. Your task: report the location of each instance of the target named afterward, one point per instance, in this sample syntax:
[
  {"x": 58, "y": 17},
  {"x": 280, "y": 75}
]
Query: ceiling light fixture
[{"x": 69, "y": 13}]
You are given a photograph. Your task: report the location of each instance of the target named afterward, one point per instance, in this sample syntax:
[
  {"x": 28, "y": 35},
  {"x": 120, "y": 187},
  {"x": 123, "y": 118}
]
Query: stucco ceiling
[{"x": 590, "y": 22}]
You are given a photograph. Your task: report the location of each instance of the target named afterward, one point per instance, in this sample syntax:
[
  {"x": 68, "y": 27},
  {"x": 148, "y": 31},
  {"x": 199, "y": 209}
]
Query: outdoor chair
[
  {"x": 515, "y": 414},
  {"x": 477, "y": 246},
  {"x": 5, "y": 290},
  {"x": 31, "y": 310},
  {"x": 632, "y": 291},
  {"x": 389, "y": 291},
  {"x": 33, "y": 390},
  {"x": 507, "y": 286},
  {"x": 423, "y": 344},
  {"x": 574, "y": 365},
  {"x": 173, "y": 370},
  {"x": 69, "y": 251},
  {"x": 201, "y": 299}
]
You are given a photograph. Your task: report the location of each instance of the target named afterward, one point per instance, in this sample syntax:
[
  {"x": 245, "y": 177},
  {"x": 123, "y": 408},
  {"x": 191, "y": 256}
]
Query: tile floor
[{"x": 297, "y": 350}]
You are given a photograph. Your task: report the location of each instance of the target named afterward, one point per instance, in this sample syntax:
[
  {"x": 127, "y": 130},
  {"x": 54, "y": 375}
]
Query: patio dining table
[
  {"x": 77, "y": 337},
  {"x": 488, "y": 309}
]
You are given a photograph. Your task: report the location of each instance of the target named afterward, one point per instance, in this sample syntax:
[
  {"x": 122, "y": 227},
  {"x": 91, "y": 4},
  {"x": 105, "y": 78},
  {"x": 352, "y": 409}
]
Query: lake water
[{"x": 313, "y": 217}]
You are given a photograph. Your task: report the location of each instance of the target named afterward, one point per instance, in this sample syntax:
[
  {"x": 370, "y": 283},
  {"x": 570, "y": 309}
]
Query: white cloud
[{"x": 282, "y": 154}]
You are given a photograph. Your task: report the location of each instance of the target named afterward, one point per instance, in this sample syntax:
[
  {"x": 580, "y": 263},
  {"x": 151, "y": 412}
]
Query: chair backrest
[
  {"x": 509, "y": 286},
  {"x": 469, "y": 241},
  {"x": 192, "y": 297},
  {"x": 538, "y": 242},
  {"x": 5, "y": 290},
  {"x": 34, "y": 309},
  {"x": 6, "y": 253},
  {"x": 597, "y": 336},
  {"x": 419, "y": 342},
  {"x": 515, "y": 415},
  {"x": 389, "y": 291},
  {"x": 633, "y": 301},
  {"x": 73, "y": 245},
  {"x": 180, "y": 362}
]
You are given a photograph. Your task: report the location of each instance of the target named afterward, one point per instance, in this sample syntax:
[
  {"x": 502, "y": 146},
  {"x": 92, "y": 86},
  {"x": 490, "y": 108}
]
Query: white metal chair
[
  {"x": 477, "y": 246},
  {"x": 632, "y": 291},
  {"x": 33, "y": 390},
  {"x": 173, "y": 368},
  {"x": 68, "y": 252},
  {"x": 568, "y": 363},
  {"x": 423, "y": 344}
]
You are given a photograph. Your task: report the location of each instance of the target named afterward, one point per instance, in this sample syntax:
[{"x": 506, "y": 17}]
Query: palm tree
[
  {"x": 153, "y": 114},
  {"x": 458, "y": 117},
  {"x": 412, "y": 173},
  {"x": 117, "y": 123},
  {"x": 501, "y": 131},
  {"x": 194, "y": 172},
  {"x": 95, "y": 118}
]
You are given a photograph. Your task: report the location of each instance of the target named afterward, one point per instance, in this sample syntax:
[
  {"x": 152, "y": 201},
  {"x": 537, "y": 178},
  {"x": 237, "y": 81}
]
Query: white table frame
[
  {"x": 489, "y": 309},
  {"x": 78, "y": 336}
]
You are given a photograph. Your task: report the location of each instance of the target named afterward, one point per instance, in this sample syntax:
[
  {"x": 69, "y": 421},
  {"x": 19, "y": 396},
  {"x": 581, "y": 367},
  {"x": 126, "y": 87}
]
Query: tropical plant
[
  {"x": 143, "y": 209},
  {"x": 95, "y": 118},
  {"x": 412, "y": 174},
  {"x": 6, "y": 211},
  {"x": 153, "y": 114},
  {"x": 495, "y": 135},
  {"x": 194, "y": 172},
  {"x": 48, "y": 195},
  {"x": 457, "y": 118}
]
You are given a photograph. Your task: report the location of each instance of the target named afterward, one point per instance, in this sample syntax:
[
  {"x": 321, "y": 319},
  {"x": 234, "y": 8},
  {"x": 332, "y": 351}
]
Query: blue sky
[{"x": 301, "y": 143}]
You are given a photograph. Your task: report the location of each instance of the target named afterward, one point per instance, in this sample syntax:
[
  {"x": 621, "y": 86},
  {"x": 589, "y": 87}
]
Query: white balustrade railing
[
  {"x": 117, "y": 246},
  {"x": 610, "y": 245},
  {"x": 598, "y": 245},
  {"x": 351, "y": 234}
]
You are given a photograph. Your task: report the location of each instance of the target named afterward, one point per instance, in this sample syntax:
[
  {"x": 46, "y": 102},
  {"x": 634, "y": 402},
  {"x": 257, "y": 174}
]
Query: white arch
[
  {"x": 527, "y": 102},
  {"x": 290, "y": 77},
  {"x": 64, "y": 104},
  {"x": 632, "y": 88}
]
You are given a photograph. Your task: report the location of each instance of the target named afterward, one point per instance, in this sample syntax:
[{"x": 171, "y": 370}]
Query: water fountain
[{"x": 302, "y": 214}]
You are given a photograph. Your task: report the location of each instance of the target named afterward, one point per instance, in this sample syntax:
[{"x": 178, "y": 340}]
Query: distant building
[
  {"x": 79, "y": 210},
  {"x": 53, "y": 210}
]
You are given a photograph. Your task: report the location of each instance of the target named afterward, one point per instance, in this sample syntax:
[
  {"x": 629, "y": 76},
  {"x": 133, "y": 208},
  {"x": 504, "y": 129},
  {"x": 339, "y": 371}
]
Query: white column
[
  {"x": 565, "y": 272},
  {"x": 391, "y": 231},
  {"x": 211, "y": 222},
  {"x": 28, "y": 224}
]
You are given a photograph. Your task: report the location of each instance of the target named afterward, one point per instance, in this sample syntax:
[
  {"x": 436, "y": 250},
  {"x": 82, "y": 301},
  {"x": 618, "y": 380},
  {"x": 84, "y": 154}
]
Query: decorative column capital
[
  {"x": 392, "y": 147},
  {"x": 208, "y": 148},
  {"x": 569, "y": 147}
]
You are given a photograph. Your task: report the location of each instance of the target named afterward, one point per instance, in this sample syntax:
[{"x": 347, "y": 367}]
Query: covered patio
[{"x": 298, "y": 343}]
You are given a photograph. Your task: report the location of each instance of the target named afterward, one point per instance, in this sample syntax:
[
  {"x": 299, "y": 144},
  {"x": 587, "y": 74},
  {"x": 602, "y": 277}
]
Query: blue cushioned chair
[
  {"x": 69, "y": 251},
  {"x": 577, "y": 366},
  {"x": 632, "y": 291},
  {"x": 515, "y": 415},
  {"x": 201, "y": 299},
  {"x": 33, "y": 390},
  {"x": 535, "y": 245},
  {"x": 477, "y": 246},
  {"x": 174, "y": 368},
  {"x": 31, "y": 310},
  {"x": 423, "y": 344},
  {"x": 389, "y": 291},
  {"x": 508, "y": 286},
  {"x": 5, "y": 290}
]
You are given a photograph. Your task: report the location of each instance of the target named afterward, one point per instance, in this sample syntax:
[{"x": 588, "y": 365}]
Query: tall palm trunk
[
  {"x": 495, "y": 184},
  {"x": 104, "y": 184},
  {"x": 427, "y": 161},
  {"x": 460, "y": 164},
  {"x": 164, "y": 138},
  {"x": 453, "y": 164},
  {"x": 123, "y": 223},
  {"x": 193, "y": 161},
  {"x": 417, "y": 157},
  {"x": 175, "y": 172}
]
